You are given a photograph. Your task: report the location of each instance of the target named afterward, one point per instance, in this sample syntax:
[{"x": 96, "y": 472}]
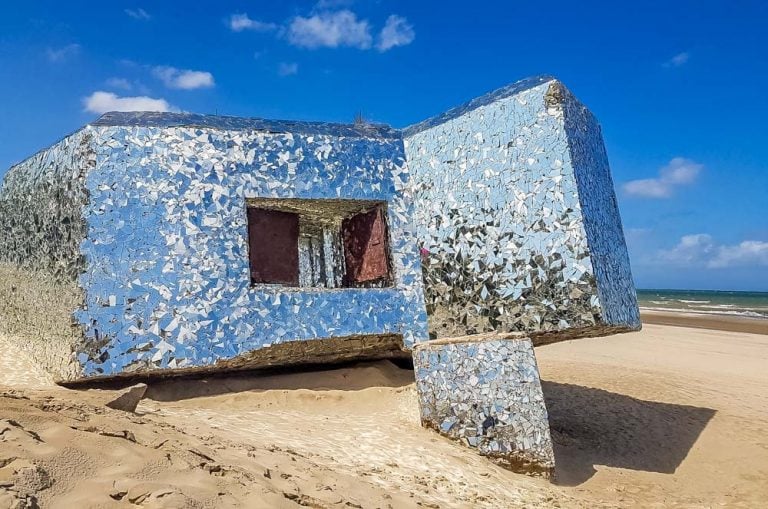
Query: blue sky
[{"x": 679, "y": 88}]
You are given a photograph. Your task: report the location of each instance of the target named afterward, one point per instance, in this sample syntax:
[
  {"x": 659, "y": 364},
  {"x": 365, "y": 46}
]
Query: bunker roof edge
[
  {"x": 478, "y": 102},
  {"x": 161, "y": 120},
  {"x": 229, "y": 123}
]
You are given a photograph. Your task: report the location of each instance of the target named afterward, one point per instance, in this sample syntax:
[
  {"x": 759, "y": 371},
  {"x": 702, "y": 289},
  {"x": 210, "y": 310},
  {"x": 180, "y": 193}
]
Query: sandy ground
[
  {"x": 705, "y": 321},
  {"x": 669, "y": 416}
]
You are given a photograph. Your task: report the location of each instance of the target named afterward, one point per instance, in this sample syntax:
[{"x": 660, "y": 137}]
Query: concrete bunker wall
[
  {"x": 41, "y": 230},
  {"x": 602, "y": 222},
  {"x": 168, "y": 278},
  {"x": 499, "y": 220}
]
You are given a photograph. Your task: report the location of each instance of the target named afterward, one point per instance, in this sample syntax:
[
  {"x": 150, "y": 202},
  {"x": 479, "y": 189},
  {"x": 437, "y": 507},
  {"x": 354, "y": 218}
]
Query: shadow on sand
[
  {"x": 589, "y": 426},
  {"x": 596, "y": 427},
  {"x": 343, "y": 377}
]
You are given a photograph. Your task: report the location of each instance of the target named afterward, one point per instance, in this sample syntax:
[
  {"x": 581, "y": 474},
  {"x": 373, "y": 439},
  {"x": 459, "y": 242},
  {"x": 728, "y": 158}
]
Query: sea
[{"x": 748, "y": 304}]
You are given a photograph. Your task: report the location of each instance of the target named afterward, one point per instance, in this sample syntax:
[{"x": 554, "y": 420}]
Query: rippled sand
[{"x": 668, "y": 416}]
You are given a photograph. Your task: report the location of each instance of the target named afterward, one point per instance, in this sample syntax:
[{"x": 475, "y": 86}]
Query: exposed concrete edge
[
  {"x": 474, "y": 338},
  {"x": 538, "y": 338},
  {"x": 542, "y": 338},
  {"x": 291, "y": 354},
  {"x": 332, "y": 351}
]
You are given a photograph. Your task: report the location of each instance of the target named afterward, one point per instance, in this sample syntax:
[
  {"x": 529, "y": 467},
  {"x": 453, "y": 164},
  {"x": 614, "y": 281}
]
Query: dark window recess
[
  {"x": 318, "y": 243},
  {"x": 273, "y": 238},
  {"x": 365, "y": 247}
]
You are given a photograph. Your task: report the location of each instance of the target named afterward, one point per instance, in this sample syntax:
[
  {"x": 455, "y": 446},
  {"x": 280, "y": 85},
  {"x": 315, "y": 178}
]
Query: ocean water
[{"x": 750, "y": 304}]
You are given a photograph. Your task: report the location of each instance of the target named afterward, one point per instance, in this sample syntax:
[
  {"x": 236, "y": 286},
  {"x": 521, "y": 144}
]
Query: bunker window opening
[
  {"x": 366, "y": 247},
  {"x": 273, "y": 241},
  {"x": 318, "y": 244}
]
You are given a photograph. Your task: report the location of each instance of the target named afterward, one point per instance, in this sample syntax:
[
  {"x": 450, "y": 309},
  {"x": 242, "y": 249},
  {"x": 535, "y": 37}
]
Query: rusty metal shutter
[
  {"x": 366, "y": 249},
  {"x": 273, "y": 240}
]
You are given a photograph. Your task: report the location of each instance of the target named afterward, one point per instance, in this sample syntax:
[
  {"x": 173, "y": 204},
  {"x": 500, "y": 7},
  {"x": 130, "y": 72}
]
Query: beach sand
[
  {"x": 705, "y": 321},
  {"x": 669, "y": 416}
]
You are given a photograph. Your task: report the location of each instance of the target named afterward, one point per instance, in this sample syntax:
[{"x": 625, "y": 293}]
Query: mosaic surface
[
  {"x": 167, "y": 278},
  {"x": 150, "y": 222},
  {"x": 139, "y": 222},
  {"x": 516, "y": 217},
  {"x": 487, "y": 394},
  {"x": 41, "y": 228},
  {"x": 608, "y": 251},
  {"x": 41, "y": 201}
]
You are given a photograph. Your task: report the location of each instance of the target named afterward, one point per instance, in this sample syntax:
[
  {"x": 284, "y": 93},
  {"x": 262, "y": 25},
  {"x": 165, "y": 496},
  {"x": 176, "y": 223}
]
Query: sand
[
  {"x": 706, "y": 321},
  {"x": 669, "y": 416}
]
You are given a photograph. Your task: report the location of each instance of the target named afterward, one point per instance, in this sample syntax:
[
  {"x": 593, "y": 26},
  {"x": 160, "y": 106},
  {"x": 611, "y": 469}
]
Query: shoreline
[{"x": 727, "y": 323}]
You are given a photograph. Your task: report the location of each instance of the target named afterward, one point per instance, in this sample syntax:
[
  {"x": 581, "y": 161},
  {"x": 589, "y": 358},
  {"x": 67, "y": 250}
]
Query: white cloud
[
  {"x": 748, "y": 252},
  {"x": 691, "y": 250},
  {"x": 240, "y": 22},
  {"x": 678, "y": 60},
  {"x": 120, "y": 83},
  {"x": 396, "y": 32},
  {"x": 331, "y": 30},
  {"x": 102, "y": 102},
  {"x": 701, "y": 250},
  {"x": 138, "y": 14},
  {"x": 326, "y": 27},
  {"x": 678, "y": 172},
  {"x": 287, "y": 68},
  {"x": 184, "y": 79},
  {"x": 650, "y": 188},
  {"x": 63, "y": 53}
]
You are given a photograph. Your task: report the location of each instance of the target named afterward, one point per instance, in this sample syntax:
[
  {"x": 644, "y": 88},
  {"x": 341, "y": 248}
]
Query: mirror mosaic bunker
[{"x": 133, "y": 233}]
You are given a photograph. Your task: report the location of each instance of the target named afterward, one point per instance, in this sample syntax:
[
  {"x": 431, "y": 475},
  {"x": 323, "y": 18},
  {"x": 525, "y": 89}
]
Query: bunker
[
  {"x": 164, "y": 242},
  {"x": 167, "y": 241}
]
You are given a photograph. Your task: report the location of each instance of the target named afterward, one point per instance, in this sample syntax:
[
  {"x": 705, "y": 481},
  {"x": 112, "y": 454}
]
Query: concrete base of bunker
[
  {"x": 485, "y": 392},
  {"x": 280, "y": 356}
]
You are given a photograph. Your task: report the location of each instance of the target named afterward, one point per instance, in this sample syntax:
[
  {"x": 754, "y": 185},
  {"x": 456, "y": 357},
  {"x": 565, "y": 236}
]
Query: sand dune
[{"x": 665, "y": 417}]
